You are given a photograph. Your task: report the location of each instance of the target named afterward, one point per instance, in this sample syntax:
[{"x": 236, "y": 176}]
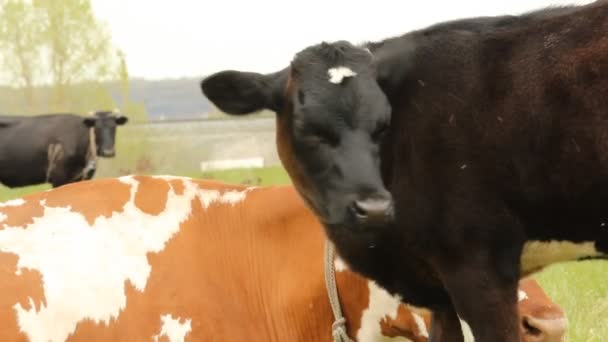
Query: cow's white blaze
[
  {"x": 338, "y": 74},
  {"x": 84, "y": 267},
  {"x": 13, "y": 203},
  {"x": 172, "y": 329},
  {"x": 381, "y": 305},
  {"x": 538, "y": 254}
]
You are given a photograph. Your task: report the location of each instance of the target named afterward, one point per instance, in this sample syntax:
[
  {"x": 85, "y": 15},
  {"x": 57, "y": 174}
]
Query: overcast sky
[{"x": 176, "y": 38}]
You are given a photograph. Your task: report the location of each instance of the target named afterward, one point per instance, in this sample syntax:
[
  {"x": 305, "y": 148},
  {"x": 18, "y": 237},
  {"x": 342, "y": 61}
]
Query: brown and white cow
[{"x": 164, "y": 258}]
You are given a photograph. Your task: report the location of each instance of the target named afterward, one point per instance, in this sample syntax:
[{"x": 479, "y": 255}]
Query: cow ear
[
  {"x": 239, "y": 93},
  {"x": 121, "y": 120},
  {"x": 394, "y": 62},
  {"x": 90, "y": 122}
]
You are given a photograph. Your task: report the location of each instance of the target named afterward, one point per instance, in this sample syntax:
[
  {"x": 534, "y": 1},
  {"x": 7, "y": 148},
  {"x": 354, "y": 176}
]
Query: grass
[
  {"x": 7, "y": 193},
  {"x": 261, "y": 176},
  {"x": 581, "y": 288}
]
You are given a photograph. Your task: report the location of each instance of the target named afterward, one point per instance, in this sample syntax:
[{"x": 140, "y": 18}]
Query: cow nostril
[
  {"x": 529, "y": 328},
  {"x": 359, "y": 210},
  {"x": 546, "y": 329},
  {"x": 373, "y": 209}
]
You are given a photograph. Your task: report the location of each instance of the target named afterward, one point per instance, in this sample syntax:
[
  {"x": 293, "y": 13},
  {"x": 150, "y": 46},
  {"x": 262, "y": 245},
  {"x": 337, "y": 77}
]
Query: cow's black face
[
  {"x": 339, "y": 116},
  {"x": 332, "y": 116},
  {"x": 105, "y": 131}
]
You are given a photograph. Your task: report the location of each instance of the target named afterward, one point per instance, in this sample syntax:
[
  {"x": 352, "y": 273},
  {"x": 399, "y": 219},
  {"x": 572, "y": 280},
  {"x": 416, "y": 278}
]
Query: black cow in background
[{"x": 55, "y": 148}]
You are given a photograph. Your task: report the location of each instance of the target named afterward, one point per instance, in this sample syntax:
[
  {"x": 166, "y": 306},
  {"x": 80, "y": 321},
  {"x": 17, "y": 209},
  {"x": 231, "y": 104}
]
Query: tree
[
  {"x": 60, "y": 54},
  {"x": 78, "y": 46},
  {"x": 137, "y": 111},
  {"x": 21, "y": 37}
]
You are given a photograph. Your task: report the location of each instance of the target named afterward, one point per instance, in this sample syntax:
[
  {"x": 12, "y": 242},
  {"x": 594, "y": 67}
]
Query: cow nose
[
  {"x": 374, "y": 209},
  {"x": 109, "y": 152},
  {"x": 544, "y": 329}
]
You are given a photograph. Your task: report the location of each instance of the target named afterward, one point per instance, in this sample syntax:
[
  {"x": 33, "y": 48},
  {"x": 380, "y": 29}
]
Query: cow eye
[
  {"x": 380, "y": 132},
  {"x": 318, "y": 140}
]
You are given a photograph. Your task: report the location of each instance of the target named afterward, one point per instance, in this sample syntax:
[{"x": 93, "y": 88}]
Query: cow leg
[
  {"x": 485, "y": 296},
  {"x": 445, "y": 327}
]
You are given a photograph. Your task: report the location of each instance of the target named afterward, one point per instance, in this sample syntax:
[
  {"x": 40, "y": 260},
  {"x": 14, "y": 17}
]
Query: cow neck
[
  {"x": 339, "y": 325},
  {"x": 90, "y": 158}
]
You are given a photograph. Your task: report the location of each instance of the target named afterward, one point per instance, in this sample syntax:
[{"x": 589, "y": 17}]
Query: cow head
[
  {"x": 331, "y": 119},
  {"x": 105, "y": 123}
]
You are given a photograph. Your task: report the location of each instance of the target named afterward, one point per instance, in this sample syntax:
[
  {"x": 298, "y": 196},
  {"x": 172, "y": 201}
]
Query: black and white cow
[
  {"x": 449, "y": 162},
  {"x": 55, "y": 148}
]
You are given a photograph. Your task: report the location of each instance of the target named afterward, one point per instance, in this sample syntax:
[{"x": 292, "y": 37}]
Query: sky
[{"x": 181, "y": 38}]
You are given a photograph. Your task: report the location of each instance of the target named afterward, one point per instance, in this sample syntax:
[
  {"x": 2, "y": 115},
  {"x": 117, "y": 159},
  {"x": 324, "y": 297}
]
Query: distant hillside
[{"x": 169, "y": 99}]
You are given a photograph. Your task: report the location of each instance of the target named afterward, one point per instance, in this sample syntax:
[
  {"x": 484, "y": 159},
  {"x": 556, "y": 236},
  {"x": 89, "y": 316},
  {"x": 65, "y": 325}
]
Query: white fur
[
  {"x": 466, "y": 331},
  {"x": 381, "y": 305},
  {"x": 212, "y": 196},
  {"x": 340, "y": 265},
  {"x": 538, "y": 254},
  {"x": 421, "y": 325},
  {"x": 173, "y": 329},
  {"x": 521, "y": 295},
  {"x": 13, "y": 203},
  {"x": 84, "y": 267},
  {"x": 338, "y": 74}
]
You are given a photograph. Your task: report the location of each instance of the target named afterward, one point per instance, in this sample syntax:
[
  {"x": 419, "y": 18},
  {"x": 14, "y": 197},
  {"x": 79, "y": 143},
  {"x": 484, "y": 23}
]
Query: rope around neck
[
  {"x": 339, "y": 326},
  {"x": 90, "y": 158}
]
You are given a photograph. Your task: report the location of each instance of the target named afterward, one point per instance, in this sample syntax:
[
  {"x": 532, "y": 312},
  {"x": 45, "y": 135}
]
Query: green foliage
[
  {"x": 56, "y": 56},
  {"x": 21, "y": 38}
]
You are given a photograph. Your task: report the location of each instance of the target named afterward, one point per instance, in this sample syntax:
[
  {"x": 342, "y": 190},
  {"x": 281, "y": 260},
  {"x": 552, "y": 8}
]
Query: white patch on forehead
[
  {"x": 339, "y": 265},
  {"x": 521, "y": 295},
  {"x": 173, "y": 329},
  {"x": 381, "y": 305},
  {"x": 538, "y": 254},
  {"x": 338, "y": 74},
  {"x": 421, "y": 325},
  {"x": 84, "y": 267},
  {"x": 13, "y": 203}
]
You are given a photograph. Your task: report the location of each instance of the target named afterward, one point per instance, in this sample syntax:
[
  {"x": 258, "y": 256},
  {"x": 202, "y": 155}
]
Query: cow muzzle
[
  {"x": 108, "y": 152},
  {"x": 544, "y": 329},
  {"x": 377, "y": 209}
]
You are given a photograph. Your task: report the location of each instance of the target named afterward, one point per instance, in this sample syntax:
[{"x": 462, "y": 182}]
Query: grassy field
[
  {"x": 263, "y": 176},
  {"x": 581, "y": 288}
]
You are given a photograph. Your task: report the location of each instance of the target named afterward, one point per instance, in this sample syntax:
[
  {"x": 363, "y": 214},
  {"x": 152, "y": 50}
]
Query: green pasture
[{"x": 581, "y": 288}]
